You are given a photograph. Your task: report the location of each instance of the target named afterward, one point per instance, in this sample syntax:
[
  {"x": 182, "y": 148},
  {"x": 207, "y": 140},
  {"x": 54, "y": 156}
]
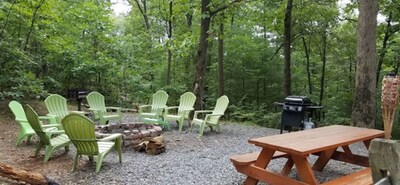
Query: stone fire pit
[{"x": 132, "y": 133}]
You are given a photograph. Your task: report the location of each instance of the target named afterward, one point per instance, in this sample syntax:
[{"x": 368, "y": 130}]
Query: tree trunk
[
  {"x": 169, "y": 32},
  {"x": 201, "y": 65},
  {"x": 221, "y": 60},
  {"x": 364, "y": 105},
  {"x": 323, "y": 58},
  {"x": 287, "y": 43},
  {"x": 384, "y": 47},
  {"x": 396, "y": 68},
  {"x": 143, "y": 10},
  {"x": 32, "y": 24},
  {"x": 307, "y": 65},
  {"x": 189, "y": 15},
  {"x": 6, "y": 21},
  {"x": 198, "y": 85}
]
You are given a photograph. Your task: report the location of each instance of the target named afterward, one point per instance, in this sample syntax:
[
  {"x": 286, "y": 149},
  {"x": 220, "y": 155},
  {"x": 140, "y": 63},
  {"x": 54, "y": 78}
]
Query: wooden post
[{"x": 22, "y": 175}]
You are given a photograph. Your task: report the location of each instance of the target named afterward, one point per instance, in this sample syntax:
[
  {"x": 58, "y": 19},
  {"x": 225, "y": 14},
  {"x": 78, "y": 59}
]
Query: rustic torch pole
[{"x": 390, "y": 97}]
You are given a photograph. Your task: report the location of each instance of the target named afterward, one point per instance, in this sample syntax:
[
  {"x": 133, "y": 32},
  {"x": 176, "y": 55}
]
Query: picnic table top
[{"x": 316, "y": 140}]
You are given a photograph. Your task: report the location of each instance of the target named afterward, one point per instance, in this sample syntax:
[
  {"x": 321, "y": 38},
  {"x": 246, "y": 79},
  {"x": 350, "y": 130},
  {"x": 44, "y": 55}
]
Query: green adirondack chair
[
  {"x": 186, "y": 103},
  {"x": 81, "y": 132},
  {"x": 212, "y": 120},
  {"x": 20, "y": 117},
  {"x": 98, "y": 106},
  {"x": 50, "y": 143},
  {"x": 156, "y": 108},
  {"x": 57, "y": 107}
]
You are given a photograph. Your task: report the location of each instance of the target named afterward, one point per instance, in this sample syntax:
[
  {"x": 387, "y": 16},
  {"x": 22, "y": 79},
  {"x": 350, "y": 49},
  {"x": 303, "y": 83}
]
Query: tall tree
[
  {"x": 287, "y": 45},
  {"x": 143, "y": 10},
  {"x": 221, "y": 58},
  {"x": 201, "y": 64},
  {"x": 364, "y": 104},
  {"x": 169, "y": 45}
]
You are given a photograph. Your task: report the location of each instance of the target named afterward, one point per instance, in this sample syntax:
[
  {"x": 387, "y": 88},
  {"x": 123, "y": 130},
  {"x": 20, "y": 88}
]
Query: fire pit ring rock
[{"x": 132, "y": 133}]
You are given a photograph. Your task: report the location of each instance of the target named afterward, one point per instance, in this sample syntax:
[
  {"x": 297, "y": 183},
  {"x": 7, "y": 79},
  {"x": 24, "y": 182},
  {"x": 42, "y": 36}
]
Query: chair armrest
[
  {"x": 188, "y": 110},
  {"x": 21, "y": 120},
  {"x": 48, "y": 117},
  {"x": 167, "y": 109},
  {"x": 201, "y": 111},
  {"x": 144, "y": 106},
  {"x": 52, "y": 118},
  {"x": 114, "y": 108},
  {"x": 111, "y": 138},
  {"x": 51, "y": 125},
  {"x": 78, "y": 112},
  {"x": 51, "y": 115},
  {"x": 93, "y": 109},
  {"x": 56, "y": 132},
  {"x": 161, "y": 108}
]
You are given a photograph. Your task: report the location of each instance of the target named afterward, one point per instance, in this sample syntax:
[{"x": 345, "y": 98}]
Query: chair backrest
[
  {"x": 186, "y": 101},
  {"x": 80, "y": 131},
  {"x": 220, "y": 107},
  {"x": 96, "y": 101},
  {"x": 160, "y": 99},
  {"x": 33, "y": 120},
  {"x": 56, "y": 105},
  {"x": 17, "y": 110}
]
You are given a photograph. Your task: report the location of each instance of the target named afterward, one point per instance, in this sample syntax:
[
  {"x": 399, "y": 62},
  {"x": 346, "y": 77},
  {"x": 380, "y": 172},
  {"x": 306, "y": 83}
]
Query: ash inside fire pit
[{"x": 132, "y": 133}]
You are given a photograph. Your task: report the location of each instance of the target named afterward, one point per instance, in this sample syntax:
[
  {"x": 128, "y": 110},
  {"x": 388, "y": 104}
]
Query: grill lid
[{"x": 297, "y": 100}]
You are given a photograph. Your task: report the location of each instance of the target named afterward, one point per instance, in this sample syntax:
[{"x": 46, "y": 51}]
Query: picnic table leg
[
  {"x": 347, "y": 152},
  {"x": 288, "y": 166},
  {"x": 304, "y": 169},
  {"x": 323, "y": 159},
  {"x": 367, "y": 142},
  {"x": 262, "y": 161}
]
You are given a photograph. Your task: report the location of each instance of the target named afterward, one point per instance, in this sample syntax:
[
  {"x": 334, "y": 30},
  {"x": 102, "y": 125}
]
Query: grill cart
[{"x": 296, "y": 112}]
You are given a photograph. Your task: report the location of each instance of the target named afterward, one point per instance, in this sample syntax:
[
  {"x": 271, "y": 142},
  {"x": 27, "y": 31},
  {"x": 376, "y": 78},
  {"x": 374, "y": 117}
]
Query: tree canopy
[{"x": 50, "y": 46}]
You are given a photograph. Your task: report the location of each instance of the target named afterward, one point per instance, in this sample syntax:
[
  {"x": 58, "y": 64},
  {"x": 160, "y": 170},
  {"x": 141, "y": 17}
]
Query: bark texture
[
  {"x": 287, "y": 44},
  {"x": 364, "y": 103}
]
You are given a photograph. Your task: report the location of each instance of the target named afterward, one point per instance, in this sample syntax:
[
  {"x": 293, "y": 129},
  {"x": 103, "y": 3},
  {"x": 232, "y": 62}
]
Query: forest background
[{"x": 51, "y": 46}]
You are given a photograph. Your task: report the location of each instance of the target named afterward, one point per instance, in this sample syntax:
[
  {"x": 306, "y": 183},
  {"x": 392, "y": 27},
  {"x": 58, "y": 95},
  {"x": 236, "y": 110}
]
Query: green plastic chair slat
[
  {"x": 186, "y": 103},
  {"x": 59, "y": 140},
  {"x": 159, "y": 102},
  {"x": 97, "y": 105},
  {"x": 52, "y": 144},
  {"x": 82, "y": 134},
  {"x": 212, "y": 120},
  {"x": 105, "y": 146}
]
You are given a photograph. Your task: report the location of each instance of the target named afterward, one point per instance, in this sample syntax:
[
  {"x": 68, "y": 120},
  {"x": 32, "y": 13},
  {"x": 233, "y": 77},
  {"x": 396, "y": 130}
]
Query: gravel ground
[{"x": 188, "y": 160}]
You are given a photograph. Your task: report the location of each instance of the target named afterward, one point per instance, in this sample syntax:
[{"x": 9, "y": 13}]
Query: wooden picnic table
[{"x": 297, "y": 146}]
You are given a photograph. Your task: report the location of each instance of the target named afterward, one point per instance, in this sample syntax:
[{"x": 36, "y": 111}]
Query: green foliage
[
  {"x": 264, "y": 115},
  {"x": 80, "y": 44}
]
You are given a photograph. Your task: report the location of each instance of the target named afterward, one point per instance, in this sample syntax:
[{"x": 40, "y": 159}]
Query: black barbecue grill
[
  {"x": 296, "y": 110},
  {"x": 78, "y": 95}
]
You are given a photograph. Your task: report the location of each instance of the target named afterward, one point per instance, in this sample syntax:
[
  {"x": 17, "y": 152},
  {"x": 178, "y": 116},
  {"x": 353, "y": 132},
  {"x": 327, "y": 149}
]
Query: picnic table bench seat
[
  {"x": 250, "y": 158},
  {"x": 363, "y": 177}
]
